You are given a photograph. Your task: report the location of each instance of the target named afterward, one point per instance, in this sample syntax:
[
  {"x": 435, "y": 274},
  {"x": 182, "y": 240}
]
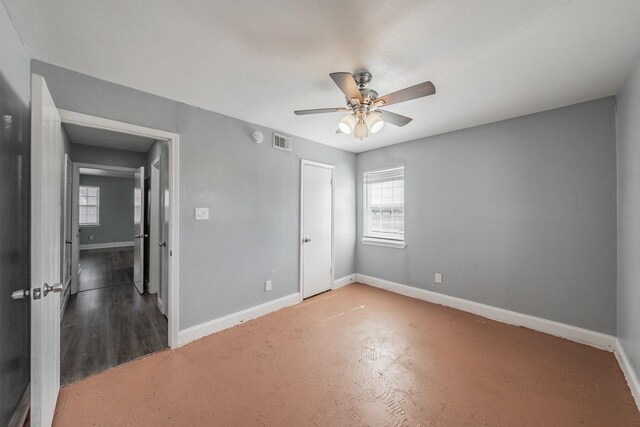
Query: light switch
[{"x": 202, "y": 213}]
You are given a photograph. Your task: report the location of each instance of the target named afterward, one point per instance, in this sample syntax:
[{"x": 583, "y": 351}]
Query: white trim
[
  {"x": 67, "y": 250},
  {"x": 94, "y": 122},
  {"x": 304, "y": 163},
  {"x": 75, "y": 226},
  {"x": 22, "y": 408},
  {"x": 75, "y": 212},
  {"x": 173, "y": 245},
  {"x": 202, "y": 330},
  {"x": 383, "y": 242},
  {"x": 107, "y": 168},
  {"x": 344, "y": 281},
  {"x": 155, "y": 251},
  {"x": 106, "y": 245},
  {"x": 573, "y": 333},
  {"x": 628, "y": 371}
]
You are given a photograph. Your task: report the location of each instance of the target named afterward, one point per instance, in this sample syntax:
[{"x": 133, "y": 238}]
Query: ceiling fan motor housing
[{"x": 362, "y": 79}]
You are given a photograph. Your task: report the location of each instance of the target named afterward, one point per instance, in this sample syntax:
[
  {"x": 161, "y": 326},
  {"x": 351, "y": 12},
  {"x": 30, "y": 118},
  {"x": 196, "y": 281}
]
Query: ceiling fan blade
[
  {"x": 407, "y": 94},
  {"x": 319, "y": 111},
  {"x": 393, "y": 118},
  {"x": 347, "y": 85}
]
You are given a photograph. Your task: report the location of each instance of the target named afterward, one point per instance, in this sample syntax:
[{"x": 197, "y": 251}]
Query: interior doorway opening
[{"x": 117, "y": 305}]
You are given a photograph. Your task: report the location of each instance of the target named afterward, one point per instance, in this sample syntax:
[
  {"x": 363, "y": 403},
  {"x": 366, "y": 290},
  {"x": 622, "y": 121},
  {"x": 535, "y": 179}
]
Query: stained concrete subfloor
[{"x": 361, "y": 356}]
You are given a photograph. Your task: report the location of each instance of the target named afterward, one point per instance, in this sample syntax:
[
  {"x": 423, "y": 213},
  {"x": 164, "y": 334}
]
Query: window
[
  {"x": 384, "y": 207},
  {"x": 89, "y": 205}
]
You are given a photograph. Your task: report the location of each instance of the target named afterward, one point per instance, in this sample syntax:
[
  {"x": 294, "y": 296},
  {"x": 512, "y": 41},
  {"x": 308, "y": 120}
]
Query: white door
[
  {"x": 317, "y": 228},
  {"x": 138, "y": 223},
  {"x": 46, "y": 176}
]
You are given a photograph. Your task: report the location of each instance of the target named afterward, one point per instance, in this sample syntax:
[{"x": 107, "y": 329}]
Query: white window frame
[
  {"x": 97, "y": 206},
  {"x": 379, "y": 241}
]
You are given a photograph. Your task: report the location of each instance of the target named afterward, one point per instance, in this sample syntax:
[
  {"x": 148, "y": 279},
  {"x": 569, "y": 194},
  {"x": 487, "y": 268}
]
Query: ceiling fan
[{"x": 363, "y": 104}]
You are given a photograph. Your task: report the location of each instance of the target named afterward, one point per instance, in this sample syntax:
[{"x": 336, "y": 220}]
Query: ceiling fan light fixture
[
  {"x": 374, "y": 122},
  {"x": 347, "y": 123},
  {"x": 361, "y": 130}
]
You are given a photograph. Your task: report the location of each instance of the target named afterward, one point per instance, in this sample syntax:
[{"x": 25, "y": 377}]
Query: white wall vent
[{"x": 281, "y": 142}]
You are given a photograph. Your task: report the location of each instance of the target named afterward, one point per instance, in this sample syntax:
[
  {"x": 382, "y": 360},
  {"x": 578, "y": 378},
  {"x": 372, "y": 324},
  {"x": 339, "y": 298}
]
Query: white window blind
[
  {"x": 384, "y": 204},
  {"x": 89, "y": 205}
]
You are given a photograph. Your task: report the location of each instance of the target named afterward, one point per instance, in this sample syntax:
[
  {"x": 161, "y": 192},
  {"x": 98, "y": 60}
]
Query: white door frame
[
  {"x": 67, "y": 197},
  {"x": 154, "y": 226},
  {"x": 303, "y": 163},
  {"x": 75, "y": 212},
  {"x": 173, "y": 244}
]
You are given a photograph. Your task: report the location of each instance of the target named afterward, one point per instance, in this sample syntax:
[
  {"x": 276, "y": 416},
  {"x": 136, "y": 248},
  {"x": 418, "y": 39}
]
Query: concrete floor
[{"x": 361, "y": 356}]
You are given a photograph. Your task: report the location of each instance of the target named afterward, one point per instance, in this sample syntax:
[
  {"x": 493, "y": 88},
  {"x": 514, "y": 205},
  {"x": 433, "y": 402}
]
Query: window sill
[
  {"x": 89, "y": 225},
  {"x": 382, "y": 242}
]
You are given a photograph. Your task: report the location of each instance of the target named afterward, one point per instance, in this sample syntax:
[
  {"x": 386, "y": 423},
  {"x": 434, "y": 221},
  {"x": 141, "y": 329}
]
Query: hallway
[
  {"x": 109, "y": 323},
  {"x": 105, "y": 267}
]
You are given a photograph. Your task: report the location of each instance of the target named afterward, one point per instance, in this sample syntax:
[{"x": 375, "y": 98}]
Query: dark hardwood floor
[
  {"x": 105, "y": 267},
  {"x": 109, "y": 324}
]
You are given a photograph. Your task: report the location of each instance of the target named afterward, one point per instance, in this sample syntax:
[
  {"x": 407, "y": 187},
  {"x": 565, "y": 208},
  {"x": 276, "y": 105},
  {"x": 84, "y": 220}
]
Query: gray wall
[
  {"x": 519, "y": 214},
  {"x": 14, "y": 216},
  {"x": 116, "y": 210},
  {"x": 628, "y": 133},
  {"x": 252, "y": 191},
  {"x": 105, "y": 156}
]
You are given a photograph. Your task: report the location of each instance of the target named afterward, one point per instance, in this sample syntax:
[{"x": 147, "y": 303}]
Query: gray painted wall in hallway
[
  {"x": 628, "y": 133},
  {"x": 116, "y": 210},
  {"x": 519, "y": 214},
  {"x": 15, "y": 157},
  {"x": 252, "y": 190}
]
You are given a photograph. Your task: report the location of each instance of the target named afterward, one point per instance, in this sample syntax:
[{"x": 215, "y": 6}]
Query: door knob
[
  {"x": 307, "y": 240},
  {"x": 55, "y": 288},
  {"x": 20, "y": 294}
]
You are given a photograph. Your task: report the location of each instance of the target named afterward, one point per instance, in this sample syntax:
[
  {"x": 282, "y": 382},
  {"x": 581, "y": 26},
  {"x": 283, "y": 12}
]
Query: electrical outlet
[
  {"x": 438, "y": 278},
  {"x": 267, "y": 286},
  {"x": 91, "y": 237}
]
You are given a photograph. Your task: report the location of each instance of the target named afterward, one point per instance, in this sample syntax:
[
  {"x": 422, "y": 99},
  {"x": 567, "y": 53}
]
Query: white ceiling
[
  {"x": 260, "y": 60},
  {"x": 106, "y": 138}
]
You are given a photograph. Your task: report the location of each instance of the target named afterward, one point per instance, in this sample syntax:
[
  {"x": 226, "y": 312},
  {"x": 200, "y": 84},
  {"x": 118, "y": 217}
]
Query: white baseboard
[
  {"x": 106, "y": 245},
  {"x": 22, "y": 408},
  {"x": 573, "y": 333},
  {"x": 629, "y": 372},
  {"x": 344, "y": 281},
  {"x": 202, "y": 330}
]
